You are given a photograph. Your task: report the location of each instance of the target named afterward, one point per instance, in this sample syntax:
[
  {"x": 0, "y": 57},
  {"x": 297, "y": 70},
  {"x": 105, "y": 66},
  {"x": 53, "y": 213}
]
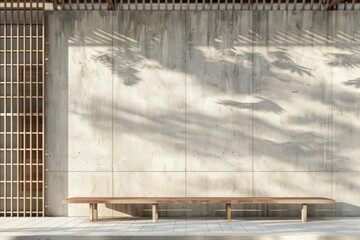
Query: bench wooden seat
[{"x": 155, "y": 201}]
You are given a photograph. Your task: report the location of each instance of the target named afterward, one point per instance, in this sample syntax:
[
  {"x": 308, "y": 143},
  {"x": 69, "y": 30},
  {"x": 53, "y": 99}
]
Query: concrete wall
[{"x": 203, "y": 104}]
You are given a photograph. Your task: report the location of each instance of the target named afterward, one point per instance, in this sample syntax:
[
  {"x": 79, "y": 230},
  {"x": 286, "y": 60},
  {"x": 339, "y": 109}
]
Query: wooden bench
[{"x": 155, "y": 201}]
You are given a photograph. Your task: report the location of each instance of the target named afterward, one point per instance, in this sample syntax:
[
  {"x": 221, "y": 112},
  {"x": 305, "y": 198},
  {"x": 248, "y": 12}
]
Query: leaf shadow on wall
[{"x": 269, "y": 107}]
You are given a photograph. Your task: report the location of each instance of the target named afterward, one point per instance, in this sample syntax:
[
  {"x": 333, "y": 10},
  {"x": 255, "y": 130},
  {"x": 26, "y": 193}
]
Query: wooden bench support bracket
[
  {"x": 155, "y": 212},
  {"x": 228, "y": 212},
  {"x": 304, "y": 212},
  {"x": 93, "y": 211}
]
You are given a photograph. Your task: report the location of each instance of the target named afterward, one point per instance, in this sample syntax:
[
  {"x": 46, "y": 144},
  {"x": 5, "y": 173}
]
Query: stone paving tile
[{"x": 79, "y": 226}]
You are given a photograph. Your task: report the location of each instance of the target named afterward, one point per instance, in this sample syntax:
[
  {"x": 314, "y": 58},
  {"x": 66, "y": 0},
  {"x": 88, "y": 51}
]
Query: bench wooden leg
[
  {"x": 93, "y": 211},
  {"x": 155, "y": 212},
  {"x": 96, "y": 211},
  {"x": 304, "y": 212},
  {"x": 228, "y": 212}
]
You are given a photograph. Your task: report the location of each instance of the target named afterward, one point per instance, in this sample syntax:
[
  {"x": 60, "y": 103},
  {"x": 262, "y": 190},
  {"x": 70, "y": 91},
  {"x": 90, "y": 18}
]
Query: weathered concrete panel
[
  {"x": 218, "y": 91},
  {"x": 149, "y": 91},
  {"x": 149, "y": 184},
  {"x": 345, "y": 188},
  {"x": 56, "y": 191},
  {"x": 56, "y": 88},
  {"x": 90, "y": 93},
  {"x": 218, "y": 184},
  {"x": 291, "y": 100},
  {"x": 89, "y": 184},
  {"x": 345, "y": 76},
  {"x": 292, "y": 184}
]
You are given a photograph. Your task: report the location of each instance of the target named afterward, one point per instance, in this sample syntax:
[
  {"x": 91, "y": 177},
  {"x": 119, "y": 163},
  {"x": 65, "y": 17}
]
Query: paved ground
[{"x": 63, "y": 227}]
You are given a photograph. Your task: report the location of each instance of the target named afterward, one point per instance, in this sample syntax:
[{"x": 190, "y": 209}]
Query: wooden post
[
  {"x": 91, "y": 212},
  {"x": 155, "y": 212},
  {"x": 304, "y": 212},
  {"x": 95, "y": 211},
  {"x": 228, "y": 212}
]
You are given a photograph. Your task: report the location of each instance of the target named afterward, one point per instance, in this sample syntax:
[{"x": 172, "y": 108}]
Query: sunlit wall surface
[{"x": 215, "y": 104}]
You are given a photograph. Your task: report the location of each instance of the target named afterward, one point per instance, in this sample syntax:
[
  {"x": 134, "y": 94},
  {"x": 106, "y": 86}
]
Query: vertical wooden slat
[
  {"x": 286, "y": 5},
  {"x": 31, "y": 133},
  {"x": 353, "y": 5},
  {"x": 279, "y": 4},
  {"x": 85, "y": 5},
  {"x": 233, "y": 4},
  {"x": 327, "y": 4},
  {"x": 188, "y": 5},
  {"x": 263, "y": 4},
  {"x": 62, "y": 4},
  {"x": 92, "y": 5},
  {"x": 100, "y": 5},
  {"x": 211, "y": 4},
  {"x": 54, "y": 5},
  {"x": 203, "y": 4},
  {"x": 121, "y": 5},
  {"x": 303, "y": 4},
  {"x": 311, "y": 4},
  {"x": 151, "y": 4},
  {"x": 5, "y": 110},
  {"x": 158, "y": 4},
  {"x": 218, "y": 4},
  {"x": 24, "y": 115},
  {"x": 77, "y": 5},
  {"x": 256, "y": 4},
  {"x": 18, "y": 110},
  {"x": 196, "y": 4},
  {"x": 320, "y": 3},
  {"x": 11, "y": 109},
  {"x": 249, "y": 4},
  {"x": 36, "y": 109},
  {"x": 69, "y": 3},
  {"x": 173, "y": 4},
  {"x": 295, "y": 3},
  {"x": 241, "y": 4},
  {"x": 43, "y": 110},
  {"x": 143, "y": 4}
]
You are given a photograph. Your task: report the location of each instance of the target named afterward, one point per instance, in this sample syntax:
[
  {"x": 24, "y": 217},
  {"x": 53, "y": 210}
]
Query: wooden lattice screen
[
  {"x": 22, "y": 108},
  {"x": 287, "y": 5}
]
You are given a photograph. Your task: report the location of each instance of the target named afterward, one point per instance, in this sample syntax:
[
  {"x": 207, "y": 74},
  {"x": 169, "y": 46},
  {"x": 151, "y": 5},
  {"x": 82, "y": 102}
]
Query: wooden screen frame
[{"x": 22, "y": 78}]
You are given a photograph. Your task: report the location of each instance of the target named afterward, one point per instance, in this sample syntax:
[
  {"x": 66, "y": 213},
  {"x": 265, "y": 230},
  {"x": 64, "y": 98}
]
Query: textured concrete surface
[
  {"x": 148, "y": 60},
  {"x": 203, "y": 104},
  {"x": 218, "y": 136},
  {"x": 180, "y": 228}
]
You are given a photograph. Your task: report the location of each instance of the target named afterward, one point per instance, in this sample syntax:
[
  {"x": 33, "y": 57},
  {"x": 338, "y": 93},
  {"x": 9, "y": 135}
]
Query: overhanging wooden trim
[{"x": 28, "y": 5}]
